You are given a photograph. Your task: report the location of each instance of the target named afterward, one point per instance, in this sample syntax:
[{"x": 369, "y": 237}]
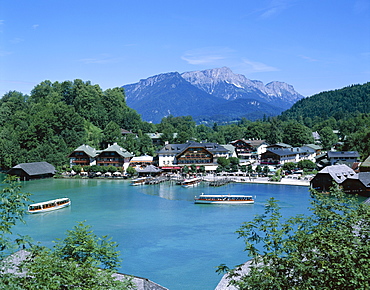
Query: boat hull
[
  {"x": 40, "y": 208},
  {"x": 224, "y": 199},
  {"x": 222, "y": 202}
]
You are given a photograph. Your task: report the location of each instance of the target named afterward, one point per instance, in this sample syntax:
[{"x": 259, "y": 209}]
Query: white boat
[
  {"x": 49, "y": 205},
  {"x": 224, "y": 199},
  {"x": 139, "y": 181},
  {"x": 191, "y": 182}
]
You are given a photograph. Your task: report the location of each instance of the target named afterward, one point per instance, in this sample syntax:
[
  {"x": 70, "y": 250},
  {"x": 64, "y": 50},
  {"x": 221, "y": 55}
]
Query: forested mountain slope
[{"x": 339, "y": 104}]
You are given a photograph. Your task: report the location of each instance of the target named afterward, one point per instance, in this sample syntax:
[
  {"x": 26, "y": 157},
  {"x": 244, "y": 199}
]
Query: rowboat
[
  {"x": 139, "y": 181},
  {"x": 49, "y": 205},
  {"x": 191, "y": 182},
  {"x": 223, "y": 199}
]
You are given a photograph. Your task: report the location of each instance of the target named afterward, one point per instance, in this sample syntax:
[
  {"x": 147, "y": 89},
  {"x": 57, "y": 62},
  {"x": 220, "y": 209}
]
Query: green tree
[
  {"x": 111, "y": 134},
  {"x": 75, "y": 263},
  {"x": 223, "y": 161},
  {"x": 289, "y": 166},
  {"x": 296, "y": 134},
  {"x": 265, "y": 170},
  {"x": 185, "y": 169},
  {"x": 131, "y": 171},
  {"x": 234, "y": 160},
  {"x": 49, "y": 271},
  {"x": 82, "y": 245},
  {"x": 328, "y": 249},
  {"x": 259, "y": 169},
  {"x": 250, "y": 169},
  {"x": 327, "y": 138},
  {"x": 306, "y": 165},
  {"x": 12, "y": 210}
]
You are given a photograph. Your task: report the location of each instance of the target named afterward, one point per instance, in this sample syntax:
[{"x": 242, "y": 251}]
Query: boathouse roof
[
  {"x": 33, "y": 170},
  {"x": 339, "y": 172}
]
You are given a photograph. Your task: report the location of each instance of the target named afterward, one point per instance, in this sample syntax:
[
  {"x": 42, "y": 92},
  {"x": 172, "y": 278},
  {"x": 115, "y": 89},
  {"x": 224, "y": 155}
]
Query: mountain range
[{"x": 214, "y": 95}]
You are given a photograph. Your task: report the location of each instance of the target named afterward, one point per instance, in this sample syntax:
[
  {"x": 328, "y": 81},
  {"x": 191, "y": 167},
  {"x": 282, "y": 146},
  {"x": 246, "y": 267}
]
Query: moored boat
[
  {"x": 191, "y": 182},
  {"x": 139, "y": 181},
  {"x": 49, "y": 205},
  {"x": 223, "y": 199}
]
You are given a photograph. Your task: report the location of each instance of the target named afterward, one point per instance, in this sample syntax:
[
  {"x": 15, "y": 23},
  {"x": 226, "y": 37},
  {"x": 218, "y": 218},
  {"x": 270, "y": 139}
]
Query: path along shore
[{"x": 264, "y": 180}]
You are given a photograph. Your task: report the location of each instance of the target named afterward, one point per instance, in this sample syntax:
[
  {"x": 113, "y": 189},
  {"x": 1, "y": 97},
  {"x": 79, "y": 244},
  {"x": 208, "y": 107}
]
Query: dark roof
[
  {"x": 178, "y": 148},
  {"x": 281, "y": 145},
  {"x": 339, "y": 172},
  {"x": 288, "y": 152},
  {"x": 34, "y": 168},
  {"x": 332, "y": 154},
  {"x": 149, "y": 169},
  {"x": 364, "y": 177}
]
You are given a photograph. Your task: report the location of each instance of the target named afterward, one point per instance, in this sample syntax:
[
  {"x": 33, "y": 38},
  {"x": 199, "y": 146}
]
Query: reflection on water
[{"x": 162, "y": 234}]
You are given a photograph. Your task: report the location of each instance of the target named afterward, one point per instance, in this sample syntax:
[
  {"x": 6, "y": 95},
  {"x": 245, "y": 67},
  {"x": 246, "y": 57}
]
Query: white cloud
[
  {"x": 310, "y": 59},
  {"x": 254, "y": 66},
  {"x": 35, "y": 26},
  {"x": 4, "y": 53},
  {"x": 16, "y": 40},
  {"x": 207, "y": 55},
  {"x": 102, "y": 59},
  {"x": 275, "y": 7}
]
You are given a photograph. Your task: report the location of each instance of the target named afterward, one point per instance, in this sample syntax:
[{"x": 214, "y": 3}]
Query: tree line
[{"x": 57, "y": 117}]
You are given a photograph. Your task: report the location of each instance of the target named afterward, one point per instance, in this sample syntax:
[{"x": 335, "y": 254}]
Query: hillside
[{"x": 339, "y": 104}]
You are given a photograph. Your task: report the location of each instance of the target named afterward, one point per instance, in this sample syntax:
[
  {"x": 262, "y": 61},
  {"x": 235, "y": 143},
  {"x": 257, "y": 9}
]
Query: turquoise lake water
[{"x": 162, "y": 234}]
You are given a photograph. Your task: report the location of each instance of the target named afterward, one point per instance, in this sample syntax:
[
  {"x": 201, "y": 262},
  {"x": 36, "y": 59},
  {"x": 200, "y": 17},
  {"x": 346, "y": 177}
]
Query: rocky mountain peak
[{"x": 199, "y": 93}]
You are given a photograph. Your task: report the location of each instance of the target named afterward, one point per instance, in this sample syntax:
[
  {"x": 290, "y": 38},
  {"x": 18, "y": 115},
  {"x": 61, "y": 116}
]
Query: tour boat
[
  {"x": 223, "y": 199},
  {"x": 191, "y": 182},
  {"x": 139, "y": 181},
  {"x": 49, "y": 205}
]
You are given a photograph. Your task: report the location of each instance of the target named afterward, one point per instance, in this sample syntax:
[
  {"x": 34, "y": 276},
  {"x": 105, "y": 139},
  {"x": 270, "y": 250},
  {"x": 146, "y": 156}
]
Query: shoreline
[{"x": 262, "y": 180}]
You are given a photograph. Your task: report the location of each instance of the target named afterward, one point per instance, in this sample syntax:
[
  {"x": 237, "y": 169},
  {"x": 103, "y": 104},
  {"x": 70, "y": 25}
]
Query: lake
[{"x": 162, "y": 234}]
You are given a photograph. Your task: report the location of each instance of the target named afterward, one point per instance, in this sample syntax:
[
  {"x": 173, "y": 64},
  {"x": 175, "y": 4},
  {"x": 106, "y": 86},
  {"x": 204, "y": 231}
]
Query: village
[{"x": 239, "y": 161}]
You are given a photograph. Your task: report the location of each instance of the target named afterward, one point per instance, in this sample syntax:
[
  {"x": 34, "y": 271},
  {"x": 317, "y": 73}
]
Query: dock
[
  {"x": 157, "y": 180},
  {"x": 220, "y": 182}
]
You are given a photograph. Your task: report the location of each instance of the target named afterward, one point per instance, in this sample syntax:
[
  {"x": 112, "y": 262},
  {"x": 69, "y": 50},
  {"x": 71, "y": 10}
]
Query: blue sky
[{"x": 315, "y": 45}]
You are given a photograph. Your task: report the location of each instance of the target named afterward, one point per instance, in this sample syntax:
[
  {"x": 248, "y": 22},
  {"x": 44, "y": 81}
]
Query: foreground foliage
[
  {"x": 327, "y": 250},
  {"x": 12, "y": 210},
  {"x": 82, "y": 260}
]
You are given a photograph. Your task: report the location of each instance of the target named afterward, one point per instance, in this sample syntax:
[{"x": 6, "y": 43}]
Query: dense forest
[{"x": 58, "y": 117}]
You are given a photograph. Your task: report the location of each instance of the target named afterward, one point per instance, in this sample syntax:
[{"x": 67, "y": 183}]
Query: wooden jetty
[
  {"x": 157, "y": 180},
  {"x": 220, "y": 182}
]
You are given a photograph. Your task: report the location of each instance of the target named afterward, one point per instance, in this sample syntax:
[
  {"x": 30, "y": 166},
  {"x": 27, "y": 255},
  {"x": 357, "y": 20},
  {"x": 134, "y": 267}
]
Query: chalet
[
  {"x": 175, "y": 156},
  {"x": 313, "y": 147},
  {"x": 279, "y": 155},
  {"x": 141, "y": 161},
  {"x": 358, "y": 184},
  {"x": 34, "y": 170},
  {"x": 350, "y": 157},
  {"x": 114, "y": 155},
  {"x": 335, "y": 173},
  {"x": 83, "y": 155},
  {"x": 278, "y": 146},
  {"x": 249, "y": 149}
]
